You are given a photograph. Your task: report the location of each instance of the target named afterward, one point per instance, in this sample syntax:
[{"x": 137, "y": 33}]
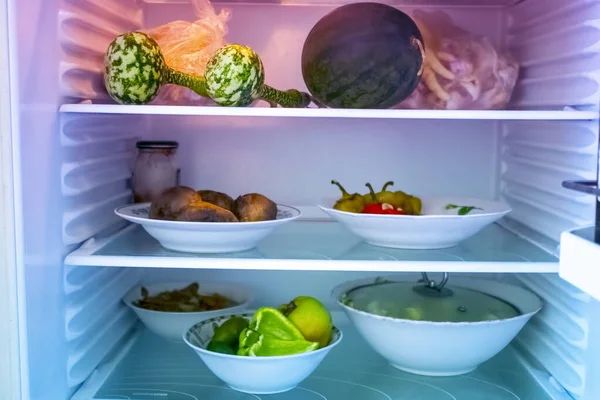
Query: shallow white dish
[
  {"x": 172, "y": 325},
  {"x": 255, "y": 375},
  {"x": 206, "y": 237},
  {"x": 436, "y": 228},
  {"x": 441, "y": 348}
]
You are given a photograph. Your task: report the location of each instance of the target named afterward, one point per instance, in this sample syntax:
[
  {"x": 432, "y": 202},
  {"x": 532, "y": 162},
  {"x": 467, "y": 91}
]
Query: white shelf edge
[
  {"x": 84, "y": 256},
  {"x": 328, "y": 3},
  {"x": 544, "y": 115},
  {"x": 314, "y": 265}
]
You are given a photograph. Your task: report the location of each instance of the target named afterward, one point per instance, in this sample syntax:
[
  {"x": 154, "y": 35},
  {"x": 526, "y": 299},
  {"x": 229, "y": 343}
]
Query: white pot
[{"x": 441, "y": 348}]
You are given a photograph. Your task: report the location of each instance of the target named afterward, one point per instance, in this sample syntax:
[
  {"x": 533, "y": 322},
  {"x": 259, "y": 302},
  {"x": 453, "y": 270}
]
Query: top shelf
[
  {"x": 532, "y": 115},
  {"x": 324, "y": 246}
]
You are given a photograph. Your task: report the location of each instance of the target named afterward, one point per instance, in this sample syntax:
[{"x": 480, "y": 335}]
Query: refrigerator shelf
[
  {"x": 151, "y": 368},
  {"x": 324, "y": 246},
  {"x": 569, "y": 114}
]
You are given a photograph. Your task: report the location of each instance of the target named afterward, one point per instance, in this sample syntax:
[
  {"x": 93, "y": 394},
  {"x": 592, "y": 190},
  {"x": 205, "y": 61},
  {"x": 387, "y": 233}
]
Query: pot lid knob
[{"x": 431, "y": 288}]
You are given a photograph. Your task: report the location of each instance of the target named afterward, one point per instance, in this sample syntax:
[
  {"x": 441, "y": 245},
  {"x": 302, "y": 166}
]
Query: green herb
[{"x": 463, "y": 210}]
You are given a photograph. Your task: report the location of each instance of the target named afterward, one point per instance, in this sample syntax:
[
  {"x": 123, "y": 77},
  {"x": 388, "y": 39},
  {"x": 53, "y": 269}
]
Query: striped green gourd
[
  {"x": 235, "y": 77},
  {"x": 135, "y": 70}
]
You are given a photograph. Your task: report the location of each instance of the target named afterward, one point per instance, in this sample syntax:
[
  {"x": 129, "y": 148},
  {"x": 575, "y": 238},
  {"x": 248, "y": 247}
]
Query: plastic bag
[
  {"x": 187, "y": 46},
  {"x": 462, "y": 70}
]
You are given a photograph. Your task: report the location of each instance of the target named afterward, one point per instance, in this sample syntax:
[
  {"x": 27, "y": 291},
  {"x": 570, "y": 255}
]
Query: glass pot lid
[{"x": 427, "y": 301}]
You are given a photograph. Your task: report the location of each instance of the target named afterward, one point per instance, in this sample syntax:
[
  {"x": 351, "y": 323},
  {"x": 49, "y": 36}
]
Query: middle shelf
[{"x": 324, "y": 246}]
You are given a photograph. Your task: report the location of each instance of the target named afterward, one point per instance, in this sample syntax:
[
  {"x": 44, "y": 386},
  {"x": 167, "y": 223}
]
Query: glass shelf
[
  {"x": 324, "y": 246},
  {"x": 152, "y": 368}
]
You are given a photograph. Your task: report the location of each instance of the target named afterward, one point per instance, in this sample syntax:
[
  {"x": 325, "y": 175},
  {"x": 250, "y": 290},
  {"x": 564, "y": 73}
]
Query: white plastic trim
[
  {"x": 579, "y": 262},
  {"x": 547, "y": 115}
]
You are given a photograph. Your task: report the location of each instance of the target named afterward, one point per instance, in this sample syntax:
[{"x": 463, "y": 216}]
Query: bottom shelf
[{"x": 152, "y": 368}]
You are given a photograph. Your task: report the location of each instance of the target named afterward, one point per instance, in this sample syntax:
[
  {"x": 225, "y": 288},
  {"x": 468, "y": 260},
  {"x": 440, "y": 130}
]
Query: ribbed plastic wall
[
  {"x": 86, "y": 27},
  {"x": 96, "y": 168},
  {"x": 536, "y": 157},
  {"x": 95, "y": 180},
  {"x": 97, "y": 322},
  {"x": 558, "y": 337},
  {"x": 558, "y": 43},
  {"x": 96, "y": 171}
]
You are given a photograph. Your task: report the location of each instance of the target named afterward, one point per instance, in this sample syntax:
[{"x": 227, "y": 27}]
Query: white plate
[
  {"x": 437, "y": 228},
  {"x": 206, "y": 237}
]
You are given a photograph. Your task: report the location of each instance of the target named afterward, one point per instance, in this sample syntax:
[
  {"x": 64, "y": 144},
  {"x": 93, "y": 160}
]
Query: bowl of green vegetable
[
  {"x": 436, "y": 329},
  {"x": 258, "y": 353}
]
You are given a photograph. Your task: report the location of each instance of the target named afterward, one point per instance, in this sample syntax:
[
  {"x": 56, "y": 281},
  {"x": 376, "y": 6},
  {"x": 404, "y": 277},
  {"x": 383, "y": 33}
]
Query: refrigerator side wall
[
  {"x": 61, "y": 208},
  {"x": 13, "y": 376},
  {"x": 95, "y": 156},
  {"x": 39, "y": 168}
]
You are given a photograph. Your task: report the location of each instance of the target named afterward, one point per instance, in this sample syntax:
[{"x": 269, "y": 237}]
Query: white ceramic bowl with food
[
  {"x": 417, "y": 345},
  {"x": 256, "y": 375},
  {"x": 206, "y": 237},
  {"x": 172, "y": 325},
  {"x": 437, "y": 227}
]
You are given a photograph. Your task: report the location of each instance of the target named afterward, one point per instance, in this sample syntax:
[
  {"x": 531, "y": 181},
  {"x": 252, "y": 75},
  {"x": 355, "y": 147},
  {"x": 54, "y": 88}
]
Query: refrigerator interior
[{"x": 74, "y": 152}]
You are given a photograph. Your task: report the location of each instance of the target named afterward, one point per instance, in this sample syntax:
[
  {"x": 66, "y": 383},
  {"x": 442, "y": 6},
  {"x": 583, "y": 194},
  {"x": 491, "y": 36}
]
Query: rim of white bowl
[
  {"x": 507, "y": 209},
  {"x": 337, "y": 292},
  {"x": 147, "y": 220},
  {"x": 261, "y": 358},
  {"x": 248, "y": 291}
]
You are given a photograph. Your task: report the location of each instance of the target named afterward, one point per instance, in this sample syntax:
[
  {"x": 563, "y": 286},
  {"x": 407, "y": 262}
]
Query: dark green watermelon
[{"x": 363, "y": 55}]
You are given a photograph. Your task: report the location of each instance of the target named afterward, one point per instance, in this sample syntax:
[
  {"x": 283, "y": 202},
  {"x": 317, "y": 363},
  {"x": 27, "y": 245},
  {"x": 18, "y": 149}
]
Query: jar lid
[
  {"x": 157, "y": 145},
  {"x": 404, "y": 300}
]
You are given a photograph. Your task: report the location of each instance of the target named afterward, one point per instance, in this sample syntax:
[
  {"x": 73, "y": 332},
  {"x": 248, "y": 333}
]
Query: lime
[
  {"x": 220, "y": 347},
  {"x": 271, "y": 322},
  {"x": 230, "y": 330},
  {"x": 253, "y": 343}
]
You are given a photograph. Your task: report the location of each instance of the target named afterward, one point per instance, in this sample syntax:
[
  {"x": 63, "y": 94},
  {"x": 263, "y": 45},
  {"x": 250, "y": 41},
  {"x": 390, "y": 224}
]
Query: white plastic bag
[
  {"x": 462, "y": 71},
  {"x": 187, "y": 46}
]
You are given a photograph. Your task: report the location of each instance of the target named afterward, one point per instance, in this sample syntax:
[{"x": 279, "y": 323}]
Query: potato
[
  {"x": 171, "y": 202},
  {"x": 201, "y": 211},
  {"x": 217, "y": 198},
  {"x": 254, "y": 207}
]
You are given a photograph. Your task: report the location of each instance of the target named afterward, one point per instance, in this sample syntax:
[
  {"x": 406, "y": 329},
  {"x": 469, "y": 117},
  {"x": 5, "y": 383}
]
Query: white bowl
[
  {"x": 172, "y": 325},
  {"x": 441, "y": 348},
  {"x": 206, "y": 237},
  {"x": 255, "y": 375},
  {"x": 436, "y": 228}
]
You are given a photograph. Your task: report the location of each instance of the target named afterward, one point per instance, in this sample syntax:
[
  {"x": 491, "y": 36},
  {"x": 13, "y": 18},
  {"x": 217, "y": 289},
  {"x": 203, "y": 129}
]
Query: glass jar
[{"x": 155, "y": 169}]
